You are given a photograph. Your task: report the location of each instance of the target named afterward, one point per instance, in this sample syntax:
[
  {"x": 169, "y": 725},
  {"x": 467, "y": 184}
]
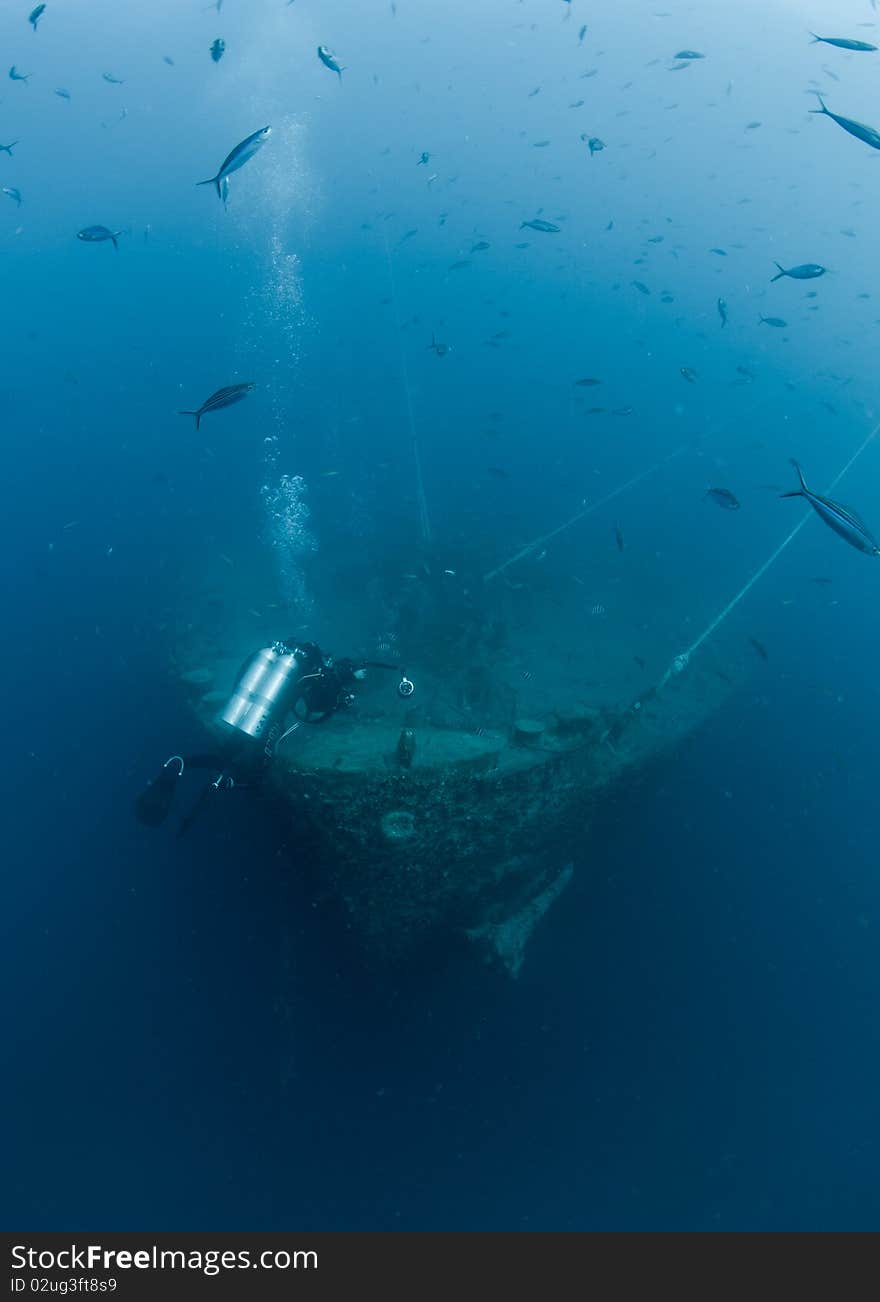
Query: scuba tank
[{"x": 261, "y": 688}]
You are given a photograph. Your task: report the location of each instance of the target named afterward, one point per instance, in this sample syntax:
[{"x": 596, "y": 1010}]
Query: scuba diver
[{"x": 286, "y": 677}]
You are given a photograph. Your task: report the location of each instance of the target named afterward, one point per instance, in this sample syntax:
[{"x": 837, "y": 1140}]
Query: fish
[
  {"x": 166, "y": 58},
  {"x": 841, "y": 519},
  {"x": 581, "y": 34},
  {"x": 588, "y": 382},
  {"x": 857, "y": 129},
  {"x": 13, "y": 193},
  {"x": 806, "y": 271},
  {"x": 241, "y": 154},
  {"x": 688, "y": 374},
  {"x": 225, "y": 397},
  {"x": 498, "y": 472},
  {"x": 641, "y": 287},
  {"x": 595, "y": 145},
  {"x": 622, "y": 411},
  {"x": 722, "y": 497},
  {"x": 481, "y": 246},
  {"x": 688, "y": 54},
  {"x": 540, "y": 144},
  {"x": 578, "y": 103},
  {"x": 618, "y": 534},
  {"x": 722, "y": 312},
  {"x": 722, "y": 253},
  {"x": 35, "y": 15},
  {"x": 759, "y": 648},
  {"x": 842, "y": 42},
  {"x": 440, "y": 349},
  {"x": 7, "y": 149},
  {"x": 114, "y": 81},
  {"x": 424, "y": 157},
  {"x": 62, "y": 93},
  {"x": 458, "y": 266},
  {"x": 97, "y": 235},
  {"x": 218, "y": 49},
  {"x": 776, "y": 321},
  {"x": 596, "y": 411},
  {"x": 744, "y": 370},
  {"x": 330, "y": 61},
  {"x": 15, "y": 75},
  {"x": 538, "y": 225}
]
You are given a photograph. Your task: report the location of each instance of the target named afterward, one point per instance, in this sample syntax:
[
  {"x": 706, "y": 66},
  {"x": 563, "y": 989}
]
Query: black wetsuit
[{"x": 318, "y": 691}]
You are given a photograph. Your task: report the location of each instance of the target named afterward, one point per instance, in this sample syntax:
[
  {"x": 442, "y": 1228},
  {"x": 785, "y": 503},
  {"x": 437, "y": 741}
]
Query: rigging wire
[
  {"x": 587, "y": 510},
  {"x": 622, "y": 488}
]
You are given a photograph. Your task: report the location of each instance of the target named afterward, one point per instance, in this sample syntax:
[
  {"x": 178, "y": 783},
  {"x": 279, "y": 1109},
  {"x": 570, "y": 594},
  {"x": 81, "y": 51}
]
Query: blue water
[{"x": 189, "y": 1043}]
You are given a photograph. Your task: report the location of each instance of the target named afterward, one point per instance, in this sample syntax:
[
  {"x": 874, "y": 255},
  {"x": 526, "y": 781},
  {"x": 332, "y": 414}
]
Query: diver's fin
[
  {"x": 220, "y": 783},
  {"x": 153, "y": 805}
]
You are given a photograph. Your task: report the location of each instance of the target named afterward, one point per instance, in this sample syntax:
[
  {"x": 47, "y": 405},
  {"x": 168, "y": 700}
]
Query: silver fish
[
  {"x": 35, "y": 15},
  {"x": 97, "y": 235},
  {"x": 241, "y": 154},
  {"x": 7, "y": 149},
  {"x": 15, "y": 75},
  {"x": 841, "y": 519},
  {"x": 539, "y": 225},
  {"x": 806, "y": 271},
  {"x": 13, "y": 193},
  {"x": 842, "y": 42},
  {"x": 226, "y": 397},
  {"x": 857, "y": 129},
  {"x": 329, "y": 60},
  {"x": 723, "y": 498}
]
